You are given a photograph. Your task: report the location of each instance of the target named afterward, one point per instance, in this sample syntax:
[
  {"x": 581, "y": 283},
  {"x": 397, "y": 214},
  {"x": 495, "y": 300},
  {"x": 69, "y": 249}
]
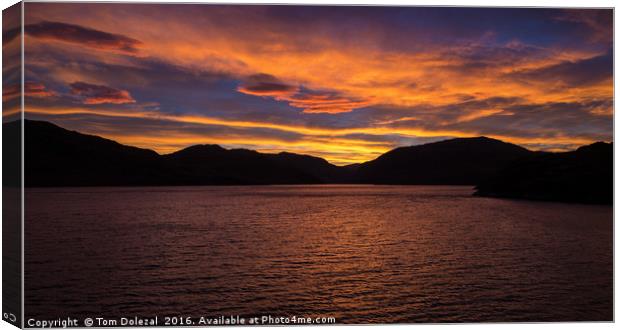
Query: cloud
[
  {"x": 580, "y": 122},
  {"x": 598, "y": 22},
  {"x": 31, "y": 89},
  {"x": 77, "y": 34},
  {"x": 325, "y": 101},
  {"x": 311, "y": 101},
  {"x": 99, "y": 94},
  {"x": 572, "y": 73},
  {"x": 384, "y": 72},
  {"x": 263, "y": 84}
]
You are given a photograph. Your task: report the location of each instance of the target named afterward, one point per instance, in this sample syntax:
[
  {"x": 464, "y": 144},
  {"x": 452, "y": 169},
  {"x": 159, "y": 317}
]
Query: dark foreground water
[{"x": 361, "y": 254}]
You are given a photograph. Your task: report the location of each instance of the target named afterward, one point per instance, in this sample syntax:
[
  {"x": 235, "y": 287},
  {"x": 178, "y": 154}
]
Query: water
[{"x": 361, "y": 254}]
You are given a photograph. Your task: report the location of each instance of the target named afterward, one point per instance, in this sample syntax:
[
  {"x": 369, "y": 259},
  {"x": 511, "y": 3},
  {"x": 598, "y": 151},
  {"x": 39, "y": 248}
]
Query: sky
[{"x": 339, "y": 82}]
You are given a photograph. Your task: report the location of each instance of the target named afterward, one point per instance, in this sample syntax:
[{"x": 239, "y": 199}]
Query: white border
[
  {"x": 471, "y": 3},
  {"x": 23, "y": 207}
]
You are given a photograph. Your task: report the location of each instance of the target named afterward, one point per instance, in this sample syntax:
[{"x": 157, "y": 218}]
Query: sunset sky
[{"x": 343, "y": 83}]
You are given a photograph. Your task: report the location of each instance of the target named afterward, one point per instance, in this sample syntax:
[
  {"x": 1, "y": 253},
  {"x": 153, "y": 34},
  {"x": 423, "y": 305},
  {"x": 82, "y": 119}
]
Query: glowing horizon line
[{"x": 304, "y": 130}]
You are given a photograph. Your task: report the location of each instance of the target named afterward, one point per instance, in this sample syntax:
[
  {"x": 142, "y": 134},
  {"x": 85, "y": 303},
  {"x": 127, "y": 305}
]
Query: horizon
[
  {"x": 300, "y": 154},
  {"x": 345, "y": 84}
]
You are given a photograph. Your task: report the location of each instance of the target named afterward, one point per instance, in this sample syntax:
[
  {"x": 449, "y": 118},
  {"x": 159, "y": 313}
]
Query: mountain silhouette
[
  {"x": 461, "y": 161},
  {"x": 55, "y": 156},
  {"x": 584, "y": 175},
  {"x": 212, "y": 164},
  {"x": 58, "y": 157}
]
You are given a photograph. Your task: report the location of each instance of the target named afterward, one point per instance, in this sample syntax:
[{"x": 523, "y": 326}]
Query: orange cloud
[
  {"x": 356, "y": 73},
  {"x": 31, "y": 89},
  {"x": 99, "y": 94},
  {"x": 319, "y": 68},
  {"x": 266, "y": 85},
  {"x": 310, "y": 101},
  {"x": 326, "y": 102}
]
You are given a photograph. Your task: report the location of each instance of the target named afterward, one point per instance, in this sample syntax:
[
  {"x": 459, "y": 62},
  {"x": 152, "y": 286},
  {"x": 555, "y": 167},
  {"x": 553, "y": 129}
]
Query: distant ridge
[
  {"x": 461, "y": 161},
  {"x": 59, "y": 157},
  {"x": 212, "y": 164}
]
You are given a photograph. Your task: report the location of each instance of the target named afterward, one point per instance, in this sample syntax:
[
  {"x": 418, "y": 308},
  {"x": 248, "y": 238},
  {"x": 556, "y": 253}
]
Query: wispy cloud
[
  {"x": 31, "y": 89},
  {"x": 76, "y": 34},
  {"x": 98, "y": 94}
]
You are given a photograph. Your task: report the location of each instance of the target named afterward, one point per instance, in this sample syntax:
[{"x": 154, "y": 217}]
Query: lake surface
[{"x": 361, "y": 254}]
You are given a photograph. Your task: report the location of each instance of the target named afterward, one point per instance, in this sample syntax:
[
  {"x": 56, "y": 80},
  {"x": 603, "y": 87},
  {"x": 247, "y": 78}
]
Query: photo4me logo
[{"x": 266, "y": 320}]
